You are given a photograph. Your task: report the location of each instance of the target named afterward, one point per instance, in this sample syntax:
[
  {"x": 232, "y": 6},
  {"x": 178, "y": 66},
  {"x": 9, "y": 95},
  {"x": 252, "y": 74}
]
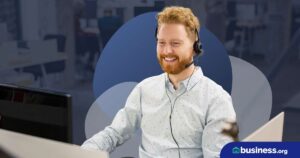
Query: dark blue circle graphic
[{"x": 130, "y": 56}]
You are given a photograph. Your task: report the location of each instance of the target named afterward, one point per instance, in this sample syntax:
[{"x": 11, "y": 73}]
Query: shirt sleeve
[
  {"x": 123, "y": 126},
  {"x": 220, "y": 110}
]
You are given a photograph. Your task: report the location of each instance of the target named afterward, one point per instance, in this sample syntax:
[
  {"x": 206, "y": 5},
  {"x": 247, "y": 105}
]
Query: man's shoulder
[{"x": 213, "y": 87}]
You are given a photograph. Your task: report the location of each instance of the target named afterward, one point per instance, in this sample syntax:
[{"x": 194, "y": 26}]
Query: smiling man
[{"x": 181, "y": 112}]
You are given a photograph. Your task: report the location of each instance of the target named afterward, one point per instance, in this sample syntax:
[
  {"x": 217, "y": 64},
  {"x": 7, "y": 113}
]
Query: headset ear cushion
[{"x": 197, "y": 48}]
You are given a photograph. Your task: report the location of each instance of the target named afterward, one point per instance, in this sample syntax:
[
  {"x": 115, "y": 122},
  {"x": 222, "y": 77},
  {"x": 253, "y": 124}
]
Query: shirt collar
[{"x": 188, "y": 83}]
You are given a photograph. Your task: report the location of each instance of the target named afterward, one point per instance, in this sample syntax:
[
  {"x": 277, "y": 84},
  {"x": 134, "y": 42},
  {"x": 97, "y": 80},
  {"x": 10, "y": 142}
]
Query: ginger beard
[{"x": 173, "y": 64}]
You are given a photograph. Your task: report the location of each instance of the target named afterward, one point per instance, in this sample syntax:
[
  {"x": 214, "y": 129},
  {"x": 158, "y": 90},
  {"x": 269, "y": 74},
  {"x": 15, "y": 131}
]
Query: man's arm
[
  {"x": 219, "y": 111},
  {"x": 125, "y": 123}
]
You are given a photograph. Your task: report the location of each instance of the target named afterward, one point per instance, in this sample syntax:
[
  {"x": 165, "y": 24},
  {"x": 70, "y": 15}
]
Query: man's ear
[{"x": 194, "y": 54}]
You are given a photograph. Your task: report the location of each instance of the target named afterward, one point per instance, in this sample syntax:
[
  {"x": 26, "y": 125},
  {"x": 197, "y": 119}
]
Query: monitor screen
[{"x": 37, "y": 112}]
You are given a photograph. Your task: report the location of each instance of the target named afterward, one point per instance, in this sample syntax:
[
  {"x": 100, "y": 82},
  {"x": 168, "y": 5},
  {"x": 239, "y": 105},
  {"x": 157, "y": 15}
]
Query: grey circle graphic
[
  {"x": 97, "y": 118},
  {"x": 251, "y": 95}
]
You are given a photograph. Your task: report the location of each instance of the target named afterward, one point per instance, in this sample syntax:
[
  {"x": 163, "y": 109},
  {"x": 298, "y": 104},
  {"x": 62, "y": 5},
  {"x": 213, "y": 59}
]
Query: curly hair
[{"x": 179, "y": 15}]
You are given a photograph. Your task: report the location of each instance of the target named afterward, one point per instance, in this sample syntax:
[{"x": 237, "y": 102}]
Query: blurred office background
[{"x": 55, "y": 44}]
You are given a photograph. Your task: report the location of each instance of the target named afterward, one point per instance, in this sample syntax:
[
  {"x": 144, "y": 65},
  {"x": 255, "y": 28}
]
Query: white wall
[{"x": 47, "y": 17}]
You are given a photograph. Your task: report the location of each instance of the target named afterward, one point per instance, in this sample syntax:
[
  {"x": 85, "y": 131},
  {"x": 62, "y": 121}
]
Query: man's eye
[
  {"x": 175, "y": 44},
  {"x": 161, "y": 43}
]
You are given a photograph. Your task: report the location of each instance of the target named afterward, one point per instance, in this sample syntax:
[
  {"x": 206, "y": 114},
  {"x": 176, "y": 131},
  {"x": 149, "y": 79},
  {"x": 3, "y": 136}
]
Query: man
[{"x": 181, "y": 112}]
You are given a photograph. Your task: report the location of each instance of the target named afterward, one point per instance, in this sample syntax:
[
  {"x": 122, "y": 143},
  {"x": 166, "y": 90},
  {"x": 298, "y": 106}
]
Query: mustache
[{"x": 168, "y": 56}]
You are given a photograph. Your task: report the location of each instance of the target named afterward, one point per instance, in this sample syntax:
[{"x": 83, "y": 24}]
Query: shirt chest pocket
[{"x": 155, "y": 117}]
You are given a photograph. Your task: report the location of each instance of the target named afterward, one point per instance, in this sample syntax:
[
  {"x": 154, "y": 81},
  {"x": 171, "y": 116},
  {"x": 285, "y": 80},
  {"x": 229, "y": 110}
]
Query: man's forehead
[
  {"x": 172, "y": 26},
  {"x": 171, "y": 39},
  {"x": 172, "y": 31}
]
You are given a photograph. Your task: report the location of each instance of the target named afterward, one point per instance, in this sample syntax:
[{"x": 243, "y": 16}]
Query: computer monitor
[
  {"x": 18, "y": 145},
  {"x": 271, "y": 131},
  {"x": 37, "y": 112}
]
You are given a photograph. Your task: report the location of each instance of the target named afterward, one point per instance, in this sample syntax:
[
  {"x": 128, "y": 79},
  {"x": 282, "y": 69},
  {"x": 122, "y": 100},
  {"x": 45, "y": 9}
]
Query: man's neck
[{"x": 177, "y": 78}]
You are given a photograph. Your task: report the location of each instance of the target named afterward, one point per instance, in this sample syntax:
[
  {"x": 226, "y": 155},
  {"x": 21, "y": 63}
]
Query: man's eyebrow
[
  {"x": 177, "y": 40},
  {"x": 159, "y": 39}
]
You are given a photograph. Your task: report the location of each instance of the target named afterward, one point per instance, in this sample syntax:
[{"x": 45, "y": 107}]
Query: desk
[
  {"x": 39, "y": 52},
  {"x": 34, "y": 53},
  {"x": 26, "y": 146},
  {"x": 27, "y": 60}
]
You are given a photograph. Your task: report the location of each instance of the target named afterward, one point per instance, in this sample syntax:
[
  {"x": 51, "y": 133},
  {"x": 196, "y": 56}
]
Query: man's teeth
[{"x": 170, "y": 59}]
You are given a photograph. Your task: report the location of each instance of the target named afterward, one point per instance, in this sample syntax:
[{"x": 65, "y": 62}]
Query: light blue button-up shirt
[{"x": 198, "y": 110}]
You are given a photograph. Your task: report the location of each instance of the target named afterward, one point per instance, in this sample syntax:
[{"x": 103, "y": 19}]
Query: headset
[{"x": 172, "y": 109}]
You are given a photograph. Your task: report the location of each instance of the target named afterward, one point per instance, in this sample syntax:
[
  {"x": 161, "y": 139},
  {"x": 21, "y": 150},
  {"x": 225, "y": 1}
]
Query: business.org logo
[{"x": 258, "y": 150}]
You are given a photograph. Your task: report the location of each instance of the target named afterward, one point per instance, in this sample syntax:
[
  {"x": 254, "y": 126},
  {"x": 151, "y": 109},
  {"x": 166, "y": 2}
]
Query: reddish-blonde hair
[{"x": 179, "y": 15}]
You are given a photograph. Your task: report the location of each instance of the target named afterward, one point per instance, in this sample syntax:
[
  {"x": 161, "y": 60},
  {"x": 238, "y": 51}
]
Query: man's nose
[{"x": 168, "y": 49}]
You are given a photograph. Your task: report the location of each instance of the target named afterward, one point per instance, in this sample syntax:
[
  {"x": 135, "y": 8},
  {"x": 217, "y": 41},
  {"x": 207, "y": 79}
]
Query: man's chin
[{"x": 172, "y": 71}]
